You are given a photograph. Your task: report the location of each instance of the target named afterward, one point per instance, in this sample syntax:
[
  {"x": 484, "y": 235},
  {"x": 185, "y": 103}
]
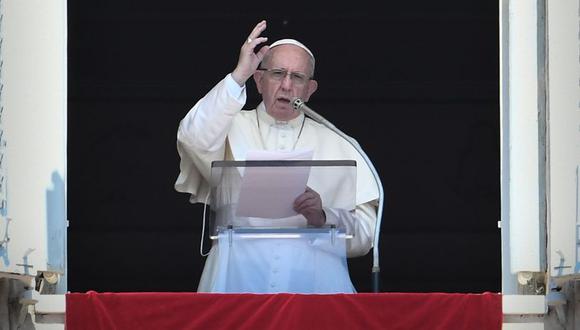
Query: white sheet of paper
[{"x": 269, "y": 192}]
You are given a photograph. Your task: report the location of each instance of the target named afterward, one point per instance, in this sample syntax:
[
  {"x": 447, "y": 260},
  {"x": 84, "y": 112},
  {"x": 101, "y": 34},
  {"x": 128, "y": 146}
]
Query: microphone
[{"x": 299, "y": 105}]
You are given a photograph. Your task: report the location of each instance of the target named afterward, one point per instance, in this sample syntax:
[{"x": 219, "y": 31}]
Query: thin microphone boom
[{"x": 299, "y": 105}]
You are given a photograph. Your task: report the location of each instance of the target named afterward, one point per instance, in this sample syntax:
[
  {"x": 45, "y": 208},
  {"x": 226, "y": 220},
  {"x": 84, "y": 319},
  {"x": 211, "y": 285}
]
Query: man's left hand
[{"x": 309, "y": 205}]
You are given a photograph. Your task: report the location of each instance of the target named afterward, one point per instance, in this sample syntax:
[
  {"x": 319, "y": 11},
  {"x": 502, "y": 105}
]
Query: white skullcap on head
[{"x": 292, "y": 42}]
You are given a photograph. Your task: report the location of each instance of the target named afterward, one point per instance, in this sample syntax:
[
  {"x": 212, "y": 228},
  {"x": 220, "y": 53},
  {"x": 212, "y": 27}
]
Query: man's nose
[{"x": 287, "y": 82}]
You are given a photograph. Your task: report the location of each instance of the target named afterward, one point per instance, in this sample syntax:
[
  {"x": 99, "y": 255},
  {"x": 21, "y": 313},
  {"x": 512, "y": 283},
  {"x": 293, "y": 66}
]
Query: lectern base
[{"x": 271, "y": 263}]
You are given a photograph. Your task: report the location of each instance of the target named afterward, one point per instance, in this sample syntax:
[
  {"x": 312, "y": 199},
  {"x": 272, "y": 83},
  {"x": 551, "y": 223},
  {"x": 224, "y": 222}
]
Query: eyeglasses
[{"x": 297, "y": 78}]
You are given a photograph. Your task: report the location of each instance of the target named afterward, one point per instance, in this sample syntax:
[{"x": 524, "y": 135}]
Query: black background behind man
[{"x": 430, "y": 69}]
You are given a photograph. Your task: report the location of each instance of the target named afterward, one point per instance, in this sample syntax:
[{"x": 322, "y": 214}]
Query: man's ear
[
  {"x": 258, "y": 75},
  {"x": 312, "y": 87}
]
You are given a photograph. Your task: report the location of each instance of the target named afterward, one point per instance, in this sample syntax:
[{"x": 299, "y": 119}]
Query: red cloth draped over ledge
[{"x": 158, "y": 311}]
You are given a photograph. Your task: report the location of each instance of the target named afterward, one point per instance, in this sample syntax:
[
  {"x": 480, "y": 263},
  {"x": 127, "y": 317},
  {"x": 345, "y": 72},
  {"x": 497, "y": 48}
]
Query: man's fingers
[
  {"x": 248, "y": 61},
  {"x": 255, "y": 34},
  {"x": 262, "y": 52},
  {"x": 299, "y": 204},
  {"x": 306, "y": 205},
  {"x": 258, "y": 29},
  {"x": 300, "y": 199},
  {"x": 307, "y": 199},
  {"x": 256, "y": 42},
  {"x": 309, "y": 205}
]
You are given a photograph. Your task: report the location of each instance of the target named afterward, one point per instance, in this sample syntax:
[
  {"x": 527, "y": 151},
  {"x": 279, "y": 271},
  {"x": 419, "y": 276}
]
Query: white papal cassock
[{"x": 216, "y": 128}]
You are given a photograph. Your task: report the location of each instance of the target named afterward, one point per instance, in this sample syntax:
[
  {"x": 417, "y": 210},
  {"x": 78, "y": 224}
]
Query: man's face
[{"x": 278, "y": 88}]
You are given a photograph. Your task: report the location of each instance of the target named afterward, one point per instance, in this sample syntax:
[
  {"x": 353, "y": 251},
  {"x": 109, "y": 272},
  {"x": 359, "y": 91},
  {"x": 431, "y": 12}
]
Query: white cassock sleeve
[
  {"x": 360, "y": 223},
  {"x": 207, "y": 124},
  {"x": 201, "y": 136}
]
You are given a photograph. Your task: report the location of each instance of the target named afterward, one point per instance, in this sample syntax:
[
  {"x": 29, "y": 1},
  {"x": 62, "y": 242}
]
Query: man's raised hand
[{"x": 249, "y": 60}]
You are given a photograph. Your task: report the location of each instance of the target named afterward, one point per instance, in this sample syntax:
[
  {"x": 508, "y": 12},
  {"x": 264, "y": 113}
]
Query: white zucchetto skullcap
[{"x": 292, "y": 42}]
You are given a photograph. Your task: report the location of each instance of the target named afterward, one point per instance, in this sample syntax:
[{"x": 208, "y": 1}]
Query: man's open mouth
[{"x": 283, "y": 99}]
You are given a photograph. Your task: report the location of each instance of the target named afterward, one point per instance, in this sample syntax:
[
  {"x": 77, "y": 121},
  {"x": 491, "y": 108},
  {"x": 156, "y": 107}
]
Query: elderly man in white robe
[{"x": 216, "y": 129}]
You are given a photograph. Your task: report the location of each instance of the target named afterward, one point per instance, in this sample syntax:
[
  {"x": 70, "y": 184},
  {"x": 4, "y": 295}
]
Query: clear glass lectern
[{"x": 264, "y": 246}]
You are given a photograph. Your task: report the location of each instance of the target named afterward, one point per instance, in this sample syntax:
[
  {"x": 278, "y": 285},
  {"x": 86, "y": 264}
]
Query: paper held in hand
[{"x": 269, "y": 192}]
